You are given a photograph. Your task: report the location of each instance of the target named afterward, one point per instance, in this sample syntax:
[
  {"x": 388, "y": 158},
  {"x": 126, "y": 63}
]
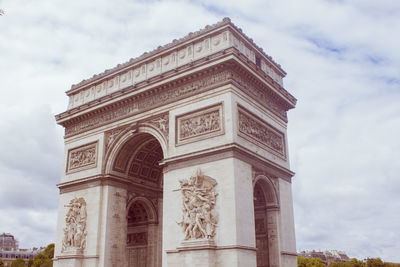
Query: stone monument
[{"x": 179, "y": 158}]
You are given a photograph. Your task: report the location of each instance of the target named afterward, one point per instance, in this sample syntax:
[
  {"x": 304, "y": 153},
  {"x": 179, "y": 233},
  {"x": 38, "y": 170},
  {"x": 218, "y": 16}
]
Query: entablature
[
  {"x": 170, "y": 58},
  {"x": 229, "y": 67}
]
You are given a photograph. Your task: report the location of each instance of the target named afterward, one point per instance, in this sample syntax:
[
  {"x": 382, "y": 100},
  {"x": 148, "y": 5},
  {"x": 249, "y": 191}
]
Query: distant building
[
  {"x": 8, "y": 242},
  {"x": 326, "y": 256},
  {"x": 9, "y": 250}
]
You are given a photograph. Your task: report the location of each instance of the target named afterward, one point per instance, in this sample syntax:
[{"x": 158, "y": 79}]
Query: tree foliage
[
  {"x": 44, "y": 259},
  {"x": 309, "y": 262},
  {"x": 1, "y": 263},
  {"x": 18, "y": 263},
  {"x": 351, "y": 263},
  {"x": 374, "y": 262}
]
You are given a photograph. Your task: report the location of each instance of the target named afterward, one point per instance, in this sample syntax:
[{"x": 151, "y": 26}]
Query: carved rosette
[
  {"x": 198, "y": 201},
  {"x": 75, "y": 226},
  {"x": 83, "y": 157}
]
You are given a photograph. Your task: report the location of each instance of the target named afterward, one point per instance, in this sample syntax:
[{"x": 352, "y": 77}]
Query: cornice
[
  {"x": 228, "y": 151},
  {"x": 229, "y": 60},
  {"x": 100, "y": 180},
  {"x": 175, "y": 44}
]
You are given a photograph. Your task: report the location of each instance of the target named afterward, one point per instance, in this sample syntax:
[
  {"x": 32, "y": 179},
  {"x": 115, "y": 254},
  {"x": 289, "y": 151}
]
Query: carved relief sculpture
[
  {"x": 198, "y": 216},
  {"x": 200, "y": 124},
  {"x": 262, "y": 132},
  {"x": 162, "y": 123},
  {"x": 75, "y": 226},
  {"x": 83, "y": 157}
]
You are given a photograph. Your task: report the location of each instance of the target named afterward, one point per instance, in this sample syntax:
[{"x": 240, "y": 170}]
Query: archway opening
[
  {"x": 138, "y": 161},
  {"x": 261, "y": 224}
]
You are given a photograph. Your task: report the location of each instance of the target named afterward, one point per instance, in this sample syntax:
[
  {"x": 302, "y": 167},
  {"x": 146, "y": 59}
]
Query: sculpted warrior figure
[
  {"x": 75, "y": 225},
  {"x": 198, "y": 201}
]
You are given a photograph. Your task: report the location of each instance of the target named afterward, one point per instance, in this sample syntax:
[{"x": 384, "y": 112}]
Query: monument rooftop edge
[{"x": 221, "y": 44}]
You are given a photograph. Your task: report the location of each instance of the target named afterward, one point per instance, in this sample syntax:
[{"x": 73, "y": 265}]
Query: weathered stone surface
[{"x": 179, "y": 158}]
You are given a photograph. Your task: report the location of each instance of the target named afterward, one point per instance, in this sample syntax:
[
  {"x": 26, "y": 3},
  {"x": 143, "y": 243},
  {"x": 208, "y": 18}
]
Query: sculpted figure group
[
  {"x": 199, "y": 197},
  {"x": 75, "y": 221}
]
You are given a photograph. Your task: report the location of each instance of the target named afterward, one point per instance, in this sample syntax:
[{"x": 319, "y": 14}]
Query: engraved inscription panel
[
  {"x": 256, "y": 130},
  {"x": 199, "y": 125},
  {"x": 82, "y": 158}
]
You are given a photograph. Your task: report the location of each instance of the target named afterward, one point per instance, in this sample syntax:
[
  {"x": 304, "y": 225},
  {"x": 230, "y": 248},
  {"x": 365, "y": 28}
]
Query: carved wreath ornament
[
  {"x": 75, "y": 229},
  {"x": 198, "y": 198}
]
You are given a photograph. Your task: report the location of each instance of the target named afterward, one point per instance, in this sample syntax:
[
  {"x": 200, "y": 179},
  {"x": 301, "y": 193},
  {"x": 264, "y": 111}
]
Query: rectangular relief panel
[
  {"x": 82, "y": 157},
  {"x": 200, "y": 124},
  {"x": 261, "y": 133}
]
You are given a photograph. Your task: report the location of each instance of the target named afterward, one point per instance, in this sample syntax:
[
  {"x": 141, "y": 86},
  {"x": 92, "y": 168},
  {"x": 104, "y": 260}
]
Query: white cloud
[{"x": 342, "y": 60}]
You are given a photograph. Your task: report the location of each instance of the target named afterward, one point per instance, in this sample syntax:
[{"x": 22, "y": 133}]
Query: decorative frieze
[
  {"x": 199, "y": 124},
  {"x": 173, "y": 92},
  {"x": 148, "y": 101},
  {"x": 75, "y": 226},
  {"x": 256, "y": 130},
  {"x": 162, "y": 60},
  {"x": 82, "y": 158},
  {"x": 198, "y": 201}
]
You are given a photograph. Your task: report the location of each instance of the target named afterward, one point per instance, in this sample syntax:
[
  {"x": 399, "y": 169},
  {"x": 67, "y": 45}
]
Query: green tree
[
  {"x": 1, "y": 263},
  {"x": 18, "y": 263},
  {"x": 375, "y": 262},
  {"x": 44, "y": 259},
  {"x": 356, "y": 263},
  {"x": 30, "y": 262},
  {"x": 49, "y": 251},
  {"x": 309, "y": 262},
  {"x": 338, "y": 264}
]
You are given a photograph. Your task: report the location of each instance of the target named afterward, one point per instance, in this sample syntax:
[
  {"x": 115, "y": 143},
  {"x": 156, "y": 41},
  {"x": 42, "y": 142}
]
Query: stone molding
[
  {"x": 199, "y": 124},
  {"x": 227, "y": 151},
  {"x": 163, "y": 95},
  {"x": 288, "y": 253},
  {"x": 215, "y": 247},
  {"x": 82, "y": 157},
  {"x": 225, "y": 73},
  {"x": 209, "y": 40},
  {"x": 254, "y": 129}
]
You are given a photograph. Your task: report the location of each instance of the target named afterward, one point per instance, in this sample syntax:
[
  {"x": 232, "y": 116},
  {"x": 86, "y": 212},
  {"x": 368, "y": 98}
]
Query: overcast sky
[{"x": 343, "y": 64}]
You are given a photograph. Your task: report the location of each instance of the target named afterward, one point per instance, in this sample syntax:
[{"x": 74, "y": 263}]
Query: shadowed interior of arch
[{"x": 139, "y": 159}]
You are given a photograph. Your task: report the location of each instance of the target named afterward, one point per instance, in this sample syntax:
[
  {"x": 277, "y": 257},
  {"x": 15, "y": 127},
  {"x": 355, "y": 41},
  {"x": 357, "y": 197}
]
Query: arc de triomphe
[{"x": 179, "y": 158}]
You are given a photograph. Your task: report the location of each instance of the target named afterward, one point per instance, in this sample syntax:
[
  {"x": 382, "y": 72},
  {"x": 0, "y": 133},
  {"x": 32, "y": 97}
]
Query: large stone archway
[{"x": 179, "y": 158}]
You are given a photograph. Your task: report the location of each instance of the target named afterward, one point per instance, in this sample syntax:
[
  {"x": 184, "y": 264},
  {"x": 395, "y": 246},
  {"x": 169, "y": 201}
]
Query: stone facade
[{"x": 179, "y": 158}]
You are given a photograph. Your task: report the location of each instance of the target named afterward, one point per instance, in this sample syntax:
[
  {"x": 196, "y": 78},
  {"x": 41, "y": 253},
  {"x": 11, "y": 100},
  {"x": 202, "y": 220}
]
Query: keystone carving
[
  {"x": 75, "y": 229},
  {"x": 198, "y": 219}
]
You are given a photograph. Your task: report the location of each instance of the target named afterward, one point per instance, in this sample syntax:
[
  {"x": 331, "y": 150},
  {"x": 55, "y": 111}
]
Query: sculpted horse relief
[{"x": 198, "y": 200}]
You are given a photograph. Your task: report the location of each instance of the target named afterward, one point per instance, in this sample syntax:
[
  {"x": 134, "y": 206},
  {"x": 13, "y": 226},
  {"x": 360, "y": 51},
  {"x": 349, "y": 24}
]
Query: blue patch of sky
[
  {"x": 211, "y": 8},
  {"x": 325, "y": 44}
]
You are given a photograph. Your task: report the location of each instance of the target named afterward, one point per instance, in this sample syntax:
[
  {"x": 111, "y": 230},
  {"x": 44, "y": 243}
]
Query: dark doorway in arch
[
  {"x": 137, "y": 161},
  {"x": 261, "y": 225}
]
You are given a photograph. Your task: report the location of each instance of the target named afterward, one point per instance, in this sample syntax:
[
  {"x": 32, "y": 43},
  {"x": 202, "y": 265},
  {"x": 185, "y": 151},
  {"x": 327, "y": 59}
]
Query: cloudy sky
[{"x": 343, "y": 64}]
